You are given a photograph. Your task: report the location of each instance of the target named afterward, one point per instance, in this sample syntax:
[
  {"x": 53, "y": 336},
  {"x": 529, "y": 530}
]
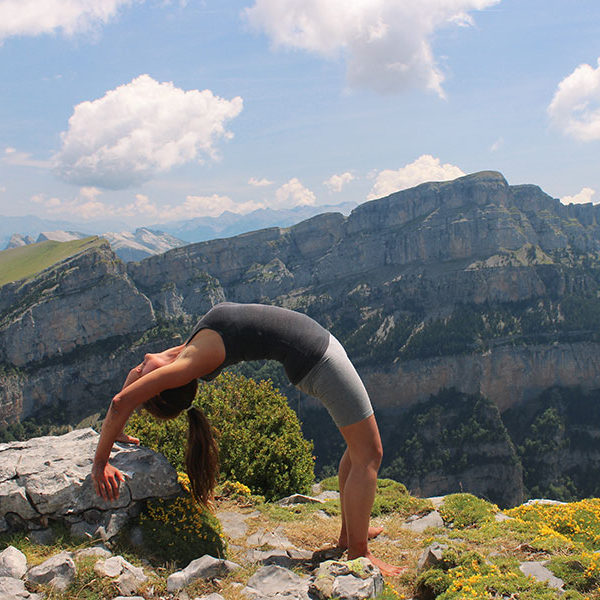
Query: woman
[{"x": 314, "y": 361}]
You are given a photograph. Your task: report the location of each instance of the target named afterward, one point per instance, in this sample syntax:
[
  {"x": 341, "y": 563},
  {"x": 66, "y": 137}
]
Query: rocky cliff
[{"x": 474, "y": 284}]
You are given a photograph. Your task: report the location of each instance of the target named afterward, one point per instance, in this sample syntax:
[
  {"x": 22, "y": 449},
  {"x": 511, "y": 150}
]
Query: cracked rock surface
[{"x": 48, "y": 479}]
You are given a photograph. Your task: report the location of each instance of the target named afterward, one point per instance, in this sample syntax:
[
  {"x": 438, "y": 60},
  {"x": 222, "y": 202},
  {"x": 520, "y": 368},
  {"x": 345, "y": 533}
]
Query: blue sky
[{"x": 146, "y": 111}]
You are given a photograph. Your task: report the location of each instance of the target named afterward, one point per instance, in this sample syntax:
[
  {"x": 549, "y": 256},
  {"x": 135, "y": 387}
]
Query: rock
[
  {"x": 43, "y": 537},
  {"x": 49, "y": 478},
  {"x": 328, "y": 495},
  {"x": 110, "y": 567},
  {"x": 420, "y": 524},
  {"x": 500, "y": 517},
  {"x": 58, "y": 571},
  {"x": 431, "y": 557},
  {"x": 213, "y": 596},
  {"x": 13, "y": 563},
  {"x": 274, "y": 539},
  {"x": 276, "y": 582},
  {"x": 538, "y": 571},
  {"x": 205, "y": 567},
  {"x": 299, "y": 499},
  {"x": 437, "y": 501},
  {"x": 546, "y": 501},
  {"x": 356, "y": 579},
  {"x": 97, "y": 551},
  {"x": 234, "y": 524},
  {"x": 14, "y": 589}
]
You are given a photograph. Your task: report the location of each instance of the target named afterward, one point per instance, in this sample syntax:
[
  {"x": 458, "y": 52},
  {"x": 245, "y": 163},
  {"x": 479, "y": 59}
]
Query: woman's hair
[{"x": 202, "y": 453}]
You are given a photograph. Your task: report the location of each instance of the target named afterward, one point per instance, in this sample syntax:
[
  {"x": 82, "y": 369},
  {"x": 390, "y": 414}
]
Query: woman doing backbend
[{"x": 165, "y": 385}]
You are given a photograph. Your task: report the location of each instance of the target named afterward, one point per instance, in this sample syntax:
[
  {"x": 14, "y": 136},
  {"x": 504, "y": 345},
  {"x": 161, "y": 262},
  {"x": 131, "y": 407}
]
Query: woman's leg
[
  {"x": 358, "y": 493},
  {"x": 344, "y": 470}
]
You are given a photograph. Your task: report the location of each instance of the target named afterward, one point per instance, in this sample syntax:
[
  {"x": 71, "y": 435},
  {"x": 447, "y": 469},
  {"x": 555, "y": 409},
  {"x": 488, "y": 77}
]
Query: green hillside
[{"x": 26, "y": 261}]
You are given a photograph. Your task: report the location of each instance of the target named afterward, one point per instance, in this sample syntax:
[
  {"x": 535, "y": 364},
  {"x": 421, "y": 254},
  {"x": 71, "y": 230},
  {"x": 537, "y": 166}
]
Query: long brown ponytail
[
  {"x": 201, "y": 456},
  {"x": 202, "y": 451}
]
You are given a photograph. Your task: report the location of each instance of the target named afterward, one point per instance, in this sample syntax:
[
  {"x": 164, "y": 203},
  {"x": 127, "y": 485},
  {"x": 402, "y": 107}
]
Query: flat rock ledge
[{"x": 48, "y": 479}]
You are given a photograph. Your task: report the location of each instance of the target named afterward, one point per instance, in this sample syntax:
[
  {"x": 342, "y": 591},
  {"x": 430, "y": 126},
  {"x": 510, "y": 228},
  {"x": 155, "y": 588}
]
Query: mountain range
[
  {"x": 155, "y": 239},
  {"x": 462, "y": 303}
]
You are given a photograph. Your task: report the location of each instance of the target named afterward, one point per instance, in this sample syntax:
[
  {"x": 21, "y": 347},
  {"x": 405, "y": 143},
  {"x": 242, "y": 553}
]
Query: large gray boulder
[{"x": 48, "y": 478}]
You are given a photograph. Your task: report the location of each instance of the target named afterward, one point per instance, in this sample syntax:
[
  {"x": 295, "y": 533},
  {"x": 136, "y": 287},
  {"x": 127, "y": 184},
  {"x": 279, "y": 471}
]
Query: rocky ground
[
  {"x": 459, "y": 547},
  {"x": 58, "y": 541}
]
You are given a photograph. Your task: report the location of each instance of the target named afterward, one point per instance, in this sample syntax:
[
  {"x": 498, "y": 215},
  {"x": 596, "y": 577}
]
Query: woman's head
[
  {"x": 169, "y": 403},
  {"x": 202, "y": 452}
]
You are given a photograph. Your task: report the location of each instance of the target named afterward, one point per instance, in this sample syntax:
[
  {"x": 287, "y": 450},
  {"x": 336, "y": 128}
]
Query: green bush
[
  {"x": 167, "y": 437},
  {"x": 260, "y": 440}
]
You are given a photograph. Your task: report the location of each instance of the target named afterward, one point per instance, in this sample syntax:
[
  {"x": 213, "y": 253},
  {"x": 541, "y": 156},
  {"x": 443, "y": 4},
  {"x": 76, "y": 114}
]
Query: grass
[{"x": 26, "y": 261}]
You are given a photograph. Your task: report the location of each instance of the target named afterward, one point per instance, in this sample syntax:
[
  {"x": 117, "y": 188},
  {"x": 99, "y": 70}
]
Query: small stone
[
  {"x": 233, "y": 524},
  {"x": 437, "y": 501},
  {"x": 97, "y": 551},
  {"x": 538, "y": 571},
  {"x": 420, "y": 524},
  {"x": 110, "y": 567},
  {"x": 14, "y": 589},
  {"x": 205, "y": 567},
  {"x": 273, "y": 580},
  {"x": 268, "y": 538},
  {"x": 213, "y": 596},
  {"x": 13, "y": 563},
  {"x": 500, "y": 517},
  {"x": 356, "y": 579},
  {"x": 58, "y": 571},
  {"x": 299, "y": 499},
  {"x": 431, "y": 557}
]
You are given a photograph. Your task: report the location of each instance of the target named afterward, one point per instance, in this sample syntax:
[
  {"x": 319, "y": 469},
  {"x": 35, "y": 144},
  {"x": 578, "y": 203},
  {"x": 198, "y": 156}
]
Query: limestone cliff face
[
  {"x": 506, "y": 375},
  {"x": 58, "y": 330}
]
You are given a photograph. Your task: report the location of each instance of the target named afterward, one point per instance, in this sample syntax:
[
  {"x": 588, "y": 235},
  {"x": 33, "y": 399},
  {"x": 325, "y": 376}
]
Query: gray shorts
[{"x": 335, "y": 382}]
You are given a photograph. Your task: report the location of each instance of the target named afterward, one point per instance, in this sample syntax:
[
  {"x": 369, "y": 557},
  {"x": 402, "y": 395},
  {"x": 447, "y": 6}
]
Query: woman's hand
[{"x": 106, "y": 480}]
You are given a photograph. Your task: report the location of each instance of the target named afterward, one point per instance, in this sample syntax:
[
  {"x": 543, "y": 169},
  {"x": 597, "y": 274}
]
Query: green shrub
[
  {"x": 167, "y": 437},
  {"x": 260, "y": 440}
]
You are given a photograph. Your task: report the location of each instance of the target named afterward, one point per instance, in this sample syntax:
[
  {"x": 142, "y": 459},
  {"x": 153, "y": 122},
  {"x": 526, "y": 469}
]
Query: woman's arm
[{"x": 203, "y": 356}]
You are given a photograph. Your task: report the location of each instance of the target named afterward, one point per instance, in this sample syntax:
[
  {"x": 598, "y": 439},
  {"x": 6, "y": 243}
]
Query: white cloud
[
  {"x": 575, "y": 108},
  {"x": 23, "y": 159},
  {"x": 34, "y": 17},
  {"x": 425, "y": 168},
  {"x": 291, "y": 194},
  {"x": 87, "y": 205},
  {"x": 336, "y": 182},
  {"x": 139, "y": 130},
  {"x": 583, "y": 197},
  {"x": 260, "y": 182},
  {"x": 385, "y": 43}
]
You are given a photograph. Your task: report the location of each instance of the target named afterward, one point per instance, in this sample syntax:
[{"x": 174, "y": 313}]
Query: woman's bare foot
[
  {"x": 127, "y": 439},
  {"x": 373, "y": 533},
  {"x": 386, "y": 569}
]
